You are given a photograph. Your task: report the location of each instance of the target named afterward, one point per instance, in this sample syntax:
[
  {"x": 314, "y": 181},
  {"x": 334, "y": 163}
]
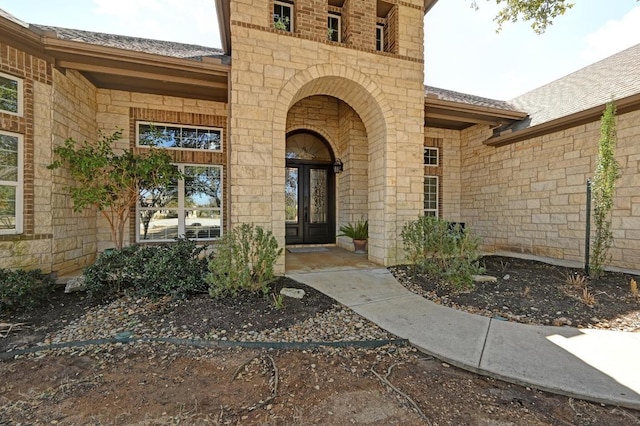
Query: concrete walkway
[{"x": 596, "y": 365}]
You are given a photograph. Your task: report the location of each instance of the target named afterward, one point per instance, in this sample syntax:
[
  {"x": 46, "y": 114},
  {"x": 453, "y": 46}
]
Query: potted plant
[{"x": 358, "y": 232}]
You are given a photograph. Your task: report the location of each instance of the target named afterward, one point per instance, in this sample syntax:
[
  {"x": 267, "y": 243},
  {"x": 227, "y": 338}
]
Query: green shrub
[
  {"x": 24, "y": 290},
  {"x": 243, "y": 261},
  {"x": 174, "y": 269},
  {"x": 436, "y": 247}
]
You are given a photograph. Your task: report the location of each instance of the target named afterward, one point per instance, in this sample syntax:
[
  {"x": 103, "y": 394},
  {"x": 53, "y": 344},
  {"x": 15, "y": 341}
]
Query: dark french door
[{"x": 309, "y": 203}]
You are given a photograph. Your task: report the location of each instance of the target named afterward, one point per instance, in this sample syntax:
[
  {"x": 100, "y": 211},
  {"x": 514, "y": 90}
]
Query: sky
[{"x": 463, "y": 52}]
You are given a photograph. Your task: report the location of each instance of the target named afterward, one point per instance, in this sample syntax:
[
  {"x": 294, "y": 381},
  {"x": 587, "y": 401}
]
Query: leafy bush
[
  {"x": 243, "y": 261},
  {"x": 174, "y": 269},
  {"x": 446, "y": 251},
  {"x": 21, "y": 289}
]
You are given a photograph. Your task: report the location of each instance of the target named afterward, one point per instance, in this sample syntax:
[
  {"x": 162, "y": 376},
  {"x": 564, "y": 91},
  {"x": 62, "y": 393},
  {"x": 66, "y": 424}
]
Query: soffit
[
  {"x": 119, "y": 69},
  {"x": 458, "y": 115}
]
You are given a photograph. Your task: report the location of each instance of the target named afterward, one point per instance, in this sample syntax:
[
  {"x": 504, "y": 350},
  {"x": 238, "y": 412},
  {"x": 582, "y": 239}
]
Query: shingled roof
[
  {"x": 450, "y": 95},
  {"x": 157, "y": 47},
  {"x": 7, "y": 15},
  {"x": 613, "y": 78}
]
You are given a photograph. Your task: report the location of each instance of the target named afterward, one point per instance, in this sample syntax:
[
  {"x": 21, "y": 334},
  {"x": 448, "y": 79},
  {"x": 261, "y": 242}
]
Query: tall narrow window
[
  {"x": 11, "y": 180},
  {"x": 380, "y": 37},
  {"x": 431, "y": 196},
  {"x": 283, "y": 16},
  {"x": 190, "y": 207},
  {"x": 10, "y": 94},
  {"x": 334, "y": 27}
]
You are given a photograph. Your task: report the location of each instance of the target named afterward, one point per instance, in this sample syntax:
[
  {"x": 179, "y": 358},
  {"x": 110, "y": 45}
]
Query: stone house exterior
[{"x": 312, "y": 115}]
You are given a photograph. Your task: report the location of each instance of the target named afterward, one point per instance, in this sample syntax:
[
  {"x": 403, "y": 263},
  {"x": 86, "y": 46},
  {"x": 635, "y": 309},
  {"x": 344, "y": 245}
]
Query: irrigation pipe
[{"x": 367, "y": 344}]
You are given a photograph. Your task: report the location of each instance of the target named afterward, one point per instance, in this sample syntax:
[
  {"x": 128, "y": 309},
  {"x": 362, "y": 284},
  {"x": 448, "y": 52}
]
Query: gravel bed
[{"x": 127, "y": 315}]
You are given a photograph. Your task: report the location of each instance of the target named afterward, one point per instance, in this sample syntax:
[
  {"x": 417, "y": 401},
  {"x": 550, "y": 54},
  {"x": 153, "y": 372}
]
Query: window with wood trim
[
  {"x": 190, "y": 207},
  {"x": 11, "y": 94},
  {"x": 11, "y": 183},
  {"x": 431, "y": 156},
  {"x": 380, "y": 37},
  {"x": 431, "y": 196},
  {"x": 334, "y": 27},
  {"x": 172, "y": 136},
  {"x": 283, "y": 16}
]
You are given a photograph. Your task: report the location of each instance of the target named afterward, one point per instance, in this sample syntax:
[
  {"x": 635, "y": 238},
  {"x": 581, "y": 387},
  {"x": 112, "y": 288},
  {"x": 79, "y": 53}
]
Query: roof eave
[
  {"x": 460, "y": 115},
  {"x": 624, "y": 105},
  {"x": 428, "y": 4},
  {"x": 23, "y": 38},
  {"x": 224, "y": 19},
  {"x": 120, "y": 69}
]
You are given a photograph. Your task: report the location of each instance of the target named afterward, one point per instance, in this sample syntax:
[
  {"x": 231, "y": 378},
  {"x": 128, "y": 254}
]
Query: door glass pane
[
  {"x": 291, "y": 194},
  {"x": 305, "y": 146},
  {"x": 318, "y": 190}
]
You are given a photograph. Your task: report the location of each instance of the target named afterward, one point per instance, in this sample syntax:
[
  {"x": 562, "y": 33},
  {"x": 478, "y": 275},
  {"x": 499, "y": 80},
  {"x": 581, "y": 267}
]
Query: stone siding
[
  {"x": 273, "y": 70},
  {"x": 72, "y": 108},
  {"x": 529, "y": 197}
]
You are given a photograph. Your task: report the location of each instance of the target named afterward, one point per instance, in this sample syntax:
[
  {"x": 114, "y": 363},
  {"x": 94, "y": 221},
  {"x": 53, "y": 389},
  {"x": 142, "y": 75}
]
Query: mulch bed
[{"x": 538, "y": 293}]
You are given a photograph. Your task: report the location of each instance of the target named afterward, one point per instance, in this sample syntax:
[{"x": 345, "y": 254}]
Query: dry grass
[
  {"x": 587, "y": 298},
  {"x": 633, "y": 288},
  {"x": 576, "y": 280}
]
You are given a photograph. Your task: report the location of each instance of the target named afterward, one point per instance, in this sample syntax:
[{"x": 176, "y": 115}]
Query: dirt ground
[
  {"x": 160, "y": 384},
  {"x": 164, "y": 384}
]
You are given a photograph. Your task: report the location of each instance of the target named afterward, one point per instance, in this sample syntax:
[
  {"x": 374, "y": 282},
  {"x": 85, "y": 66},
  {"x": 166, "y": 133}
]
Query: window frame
[
  {"x": 380, "y": 27},
  {"x": 338, "y": 18},
  {"x": 19, "y": 185},
  {"x": 435, "y": 210},
  {"x": 292, "y": 13},
  {"x": 437, "y": 156},
  {"x": 20, "y": 95},
  {"x": 181, "y": 209},
  {"x": 181, "y": 126}
]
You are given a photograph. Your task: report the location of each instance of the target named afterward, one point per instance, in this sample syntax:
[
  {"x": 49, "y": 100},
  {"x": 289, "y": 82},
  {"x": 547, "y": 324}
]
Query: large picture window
[
  {"x": 179, "y": 137},
  {"x": 11, "y": 178},
  {"x": 431, "y": 196},
  {"x": 190, "y": 207},
  {"x": 10, "y": 94}
]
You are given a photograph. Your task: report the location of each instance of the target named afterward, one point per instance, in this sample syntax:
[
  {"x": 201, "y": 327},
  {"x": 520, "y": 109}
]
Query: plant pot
[{"x": 360, "y": 246}]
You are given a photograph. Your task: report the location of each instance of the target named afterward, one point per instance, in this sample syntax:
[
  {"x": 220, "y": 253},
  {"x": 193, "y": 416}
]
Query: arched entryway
[{"x": 309, "y": 189}]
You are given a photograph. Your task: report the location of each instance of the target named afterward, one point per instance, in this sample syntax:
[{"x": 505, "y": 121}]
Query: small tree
[
  {"x": 603, "y": 189},
  {"x": 112, "y": 182}
]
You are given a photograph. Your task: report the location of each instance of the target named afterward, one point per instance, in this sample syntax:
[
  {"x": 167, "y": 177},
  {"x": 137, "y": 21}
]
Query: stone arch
[
  {"x": 347, "y": 84},
  {"x": 369, "y": 102}
]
